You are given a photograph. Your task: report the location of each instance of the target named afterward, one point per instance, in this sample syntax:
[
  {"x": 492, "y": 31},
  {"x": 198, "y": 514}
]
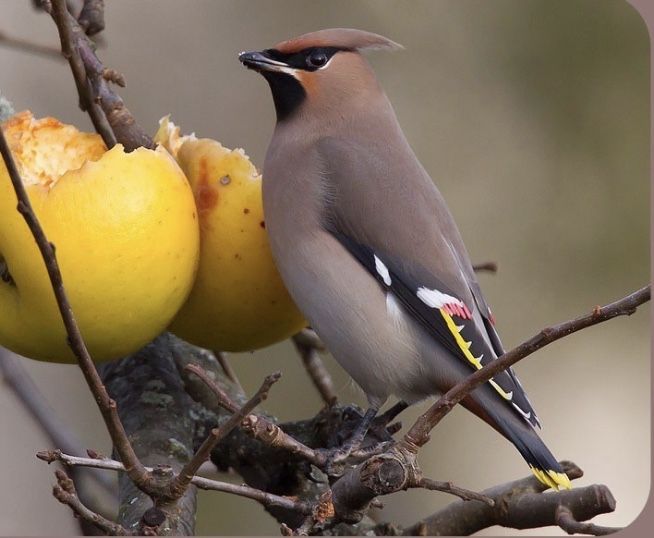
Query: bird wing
[{"x": 421, "y": 261}]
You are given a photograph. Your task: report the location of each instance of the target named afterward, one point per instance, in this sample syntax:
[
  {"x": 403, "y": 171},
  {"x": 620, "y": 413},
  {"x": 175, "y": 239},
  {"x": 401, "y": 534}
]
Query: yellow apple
[
  {"x": 126, "y": 234},
  {"x": 238, "y": 301}
]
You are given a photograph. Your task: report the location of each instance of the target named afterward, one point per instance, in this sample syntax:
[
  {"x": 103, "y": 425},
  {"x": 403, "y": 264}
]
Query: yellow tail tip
[{"x": 552, "y": 479}]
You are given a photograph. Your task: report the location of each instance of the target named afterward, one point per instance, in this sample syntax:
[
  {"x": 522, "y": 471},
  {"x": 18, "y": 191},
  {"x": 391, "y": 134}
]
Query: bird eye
[{"x": 316, "y": 59}]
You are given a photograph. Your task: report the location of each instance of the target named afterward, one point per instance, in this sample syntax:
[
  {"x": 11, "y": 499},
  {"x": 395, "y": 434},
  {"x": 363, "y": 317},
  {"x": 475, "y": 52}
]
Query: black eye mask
[{"x": 309, "y": 59}]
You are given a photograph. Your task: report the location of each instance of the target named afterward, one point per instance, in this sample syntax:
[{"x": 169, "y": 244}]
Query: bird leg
[
  {"x": 386, "y": 418},
  {"x": 337, "y": 457}
]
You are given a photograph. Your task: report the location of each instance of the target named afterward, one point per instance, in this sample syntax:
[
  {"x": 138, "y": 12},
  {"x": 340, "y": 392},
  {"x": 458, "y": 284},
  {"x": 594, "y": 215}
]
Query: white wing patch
[
  {"x": 526, "y": 415},
  {"x": 506, "y": 395},
  {"x": 382, "y": 270},
  {"x": 437, "y": 299}
]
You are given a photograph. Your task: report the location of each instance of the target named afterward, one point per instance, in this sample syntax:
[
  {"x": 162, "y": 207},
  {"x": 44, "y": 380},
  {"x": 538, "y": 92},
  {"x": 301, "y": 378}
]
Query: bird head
[{"x": 319, "y": 71}]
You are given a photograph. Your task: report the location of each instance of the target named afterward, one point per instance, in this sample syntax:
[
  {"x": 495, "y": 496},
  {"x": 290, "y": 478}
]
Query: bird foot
[{"x": 356, "y": 443}]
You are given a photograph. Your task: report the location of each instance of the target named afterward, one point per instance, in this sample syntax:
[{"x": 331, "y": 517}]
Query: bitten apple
[
  {"x": 126, "y": 234},
  {"x": 238, "y": 301}
]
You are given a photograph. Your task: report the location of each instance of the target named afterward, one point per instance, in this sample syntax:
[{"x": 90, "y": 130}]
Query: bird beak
[{"x": 260, "y": 61}]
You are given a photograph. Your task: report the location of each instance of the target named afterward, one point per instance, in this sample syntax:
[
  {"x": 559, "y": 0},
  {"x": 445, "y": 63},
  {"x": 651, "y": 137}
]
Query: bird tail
[{"x": 541, "y": 461}]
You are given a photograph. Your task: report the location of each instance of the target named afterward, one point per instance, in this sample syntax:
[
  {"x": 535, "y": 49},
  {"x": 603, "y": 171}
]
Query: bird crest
[{"x": 342, "y": 38}]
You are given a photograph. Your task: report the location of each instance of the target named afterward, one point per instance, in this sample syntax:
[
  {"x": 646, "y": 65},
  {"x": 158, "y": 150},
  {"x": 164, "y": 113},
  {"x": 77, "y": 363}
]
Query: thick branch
[
  {"x": 418, "y": 435},
  {"x": 183, "y": 479},
  {"x": 565, "y": 519},
  {"x": 519, "y": 505},
  {"x": 161, "y": 420}
]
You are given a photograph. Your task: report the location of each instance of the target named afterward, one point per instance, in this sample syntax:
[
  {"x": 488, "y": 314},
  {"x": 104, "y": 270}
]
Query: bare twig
[
  {"x": 183, "y": 479},
  {"x": 259, "y": 427},
  {"x": 264, "y": 498},
  {"x": 126, "y": 130},
  {"x": 449, "y": 487},
  {"x": 26, "y": 45},
  {"x": 418, "y": 435},
  {"x": 69, "y": 32},
  {"x": 223, "y": 399},
  {"x": 308, "y": 345},
  {"x": 107, "y": 406},
  {"x": 64, "y": 492},
  {"x": 227, "y": 368},
  {"x": 270, "y": 433},
  {"x": 565, "y": 519},
  {"x": 485, "y": 267},
  {"x": 110, "y": 117}
]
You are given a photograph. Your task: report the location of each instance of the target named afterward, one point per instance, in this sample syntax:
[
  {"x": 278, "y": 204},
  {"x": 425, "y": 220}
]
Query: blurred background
[{"x": 532, "y": 117}]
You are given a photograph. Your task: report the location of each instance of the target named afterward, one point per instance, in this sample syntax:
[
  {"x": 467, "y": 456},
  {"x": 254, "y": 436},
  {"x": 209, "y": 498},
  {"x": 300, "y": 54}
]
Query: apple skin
[
  {"x": 126, "y": 235},
  {"x": 238, "y": 301}
]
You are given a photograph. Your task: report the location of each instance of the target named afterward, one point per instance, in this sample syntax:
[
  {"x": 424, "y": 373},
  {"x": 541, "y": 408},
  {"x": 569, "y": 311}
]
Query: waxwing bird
[{"x": 367, "y": 246}]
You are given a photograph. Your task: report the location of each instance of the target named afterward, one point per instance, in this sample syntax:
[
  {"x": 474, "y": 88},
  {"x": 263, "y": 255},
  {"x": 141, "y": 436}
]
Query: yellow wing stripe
[
  {"x": 552, "y": 479},
  {"x": 465, "y": 349},
  {"x": 463, "y": 345}
]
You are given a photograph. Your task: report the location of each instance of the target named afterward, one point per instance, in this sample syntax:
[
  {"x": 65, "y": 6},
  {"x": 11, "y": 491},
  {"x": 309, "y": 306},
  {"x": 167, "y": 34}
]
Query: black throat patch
[{"x": 288, "y": 94}]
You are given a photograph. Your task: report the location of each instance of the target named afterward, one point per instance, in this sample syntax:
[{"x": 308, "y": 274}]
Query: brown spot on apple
[{"x": 206, "y": 195}]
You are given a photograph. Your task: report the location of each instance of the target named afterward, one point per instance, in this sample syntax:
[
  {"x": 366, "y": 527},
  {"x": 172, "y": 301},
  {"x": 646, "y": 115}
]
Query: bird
[{"x": 367, "y": 247}]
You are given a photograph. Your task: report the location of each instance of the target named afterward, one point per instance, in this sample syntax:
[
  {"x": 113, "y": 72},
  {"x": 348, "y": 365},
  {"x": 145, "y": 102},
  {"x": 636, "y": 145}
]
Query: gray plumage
[{"x": 366, "y": 245}]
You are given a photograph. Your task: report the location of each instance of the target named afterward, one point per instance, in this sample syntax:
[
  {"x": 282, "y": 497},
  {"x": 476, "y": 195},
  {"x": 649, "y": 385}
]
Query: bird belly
[{"x": 365, "y": 329}]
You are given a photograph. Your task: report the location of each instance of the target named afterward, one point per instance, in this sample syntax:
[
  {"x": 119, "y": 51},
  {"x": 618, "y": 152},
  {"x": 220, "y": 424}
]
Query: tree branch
[
  {"x": 485, "y": 267},
  {"x": 69, "y": 32},
  {"x": 519, "y": 505},
  {"x": 222, "y": 359},
  {"x": 565, "y": 519},
  {"x": 259, "y": 427},
  {"x": 308, "y": 346},
  {"x": 418, "y": 435},
  {"x": 397, "y": 469},
  {"x": 183, "y": 479},
  {"x": 64, "y": 492},
  {"x": 449, "y": 487},
  {"x": 161, "y": 420},
  {"x": 110, "y": 117},
  {"x": 264, "y": 498},
  {"x": 29, "y": 46}
]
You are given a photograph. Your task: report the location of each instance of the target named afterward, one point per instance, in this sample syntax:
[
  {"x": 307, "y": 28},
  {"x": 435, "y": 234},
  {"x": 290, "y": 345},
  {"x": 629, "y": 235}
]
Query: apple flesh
[{"x": 126, "y": 234}]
